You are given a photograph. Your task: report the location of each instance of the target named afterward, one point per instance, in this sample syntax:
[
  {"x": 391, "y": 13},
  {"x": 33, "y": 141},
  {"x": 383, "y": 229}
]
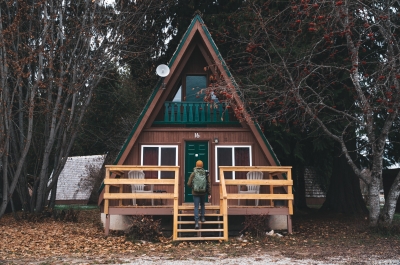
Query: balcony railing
[{"x": 196, "y": 113}]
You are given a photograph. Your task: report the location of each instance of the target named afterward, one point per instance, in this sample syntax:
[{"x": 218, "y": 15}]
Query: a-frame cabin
[{"x": 178, "y": 127}]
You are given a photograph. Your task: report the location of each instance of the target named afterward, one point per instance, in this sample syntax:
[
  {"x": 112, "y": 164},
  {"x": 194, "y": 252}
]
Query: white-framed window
[
  {"x": 237, "y": 155},
  {"x": 159, "y": 155}
]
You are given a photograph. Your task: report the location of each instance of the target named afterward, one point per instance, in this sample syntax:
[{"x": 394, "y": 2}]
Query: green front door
[{"x": 194, "y": 151}]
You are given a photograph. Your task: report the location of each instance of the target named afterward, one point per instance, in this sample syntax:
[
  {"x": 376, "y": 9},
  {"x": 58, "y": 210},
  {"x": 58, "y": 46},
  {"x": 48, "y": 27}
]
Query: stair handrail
[
  {"x": 176, "y": 201},
  {"x": 223, "y": 197}
]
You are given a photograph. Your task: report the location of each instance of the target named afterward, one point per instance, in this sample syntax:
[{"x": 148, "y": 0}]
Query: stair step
[
  {"x": 206, "y": 222},
  {"x": 200, "y": 238},
  {"x": 207, "y": 214},
  {"x": 200, "y": 230},
  {"x": 191, "y": 207}
]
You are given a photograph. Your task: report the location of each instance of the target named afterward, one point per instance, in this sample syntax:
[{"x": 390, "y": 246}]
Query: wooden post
[
  {"x": 107, "y": 225},
  {"x": 271, "y": 190},
  {"x": 176, "y": 197},
  {"x": 290, "y": 189},
  {"x": 120, "y": 191},
  {"x": 224, "y": 206},
  {"x": 106, "y": 191}
]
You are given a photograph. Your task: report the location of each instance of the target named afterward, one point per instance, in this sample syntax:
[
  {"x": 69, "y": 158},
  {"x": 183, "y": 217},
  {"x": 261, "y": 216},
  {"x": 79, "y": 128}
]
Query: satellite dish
[{"x": 162, "y": 70}]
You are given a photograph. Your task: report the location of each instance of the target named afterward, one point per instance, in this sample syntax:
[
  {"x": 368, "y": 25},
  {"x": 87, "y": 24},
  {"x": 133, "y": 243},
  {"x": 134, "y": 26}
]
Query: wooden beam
[
  {"x": 124, "y": 168},
  {"x": 116, "y": 196},
  {"x": 232, "y": 196},
  {"x": 275, "y": 169},
  {"x": 274, "y": 182},
  {"x": 139, "y": 181},
  {"x": 150, "y": 210},
  {"x": 258, "y": 211}
]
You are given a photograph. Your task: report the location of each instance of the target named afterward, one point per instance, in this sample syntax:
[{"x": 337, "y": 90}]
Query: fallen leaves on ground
[{"x": 317, "y": 236}]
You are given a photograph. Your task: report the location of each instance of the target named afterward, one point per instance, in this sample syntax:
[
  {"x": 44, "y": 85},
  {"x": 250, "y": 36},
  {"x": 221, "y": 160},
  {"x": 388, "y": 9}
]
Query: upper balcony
[{"x": 197, "y": 113}]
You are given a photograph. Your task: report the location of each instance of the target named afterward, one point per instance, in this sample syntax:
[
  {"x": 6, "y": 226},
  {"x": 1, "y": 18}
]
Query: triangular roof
[
  {"x": 72, "y": 182},
  {"x": 196, "y": 28}
]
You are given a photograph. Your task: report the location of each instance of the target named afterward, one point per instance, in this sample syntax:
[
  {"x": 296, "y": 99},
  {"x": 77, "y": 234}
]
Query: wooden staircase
[{"x": 211, "y": 229}]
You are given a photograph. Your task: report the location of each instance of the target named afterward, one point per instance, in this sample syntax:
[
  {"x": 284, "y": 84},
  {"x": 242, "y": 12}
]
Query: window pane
[
  {"x": 168, "y": 158},
  {"x": 150, "y": 158},
  {"x": 168, "y": 155},
  {"x": 242, "y": 158},
  {"x": 194, "y": 84},
  {"x": 178, "y": 95},
  {"x": 224, "y": 158}
]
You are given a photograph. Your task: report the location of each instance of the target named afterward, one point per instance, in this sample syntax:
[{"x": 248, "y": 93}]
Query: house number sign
[{"x": 196, "y": 135}]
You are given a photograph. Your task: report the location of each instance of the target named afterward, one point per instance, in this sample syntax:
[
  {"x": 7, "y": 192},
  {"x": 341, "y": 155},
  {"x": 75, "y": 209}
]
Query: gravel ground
[
  {"x": 271, "y": 258},
  {"x": 265, "y": 259}
]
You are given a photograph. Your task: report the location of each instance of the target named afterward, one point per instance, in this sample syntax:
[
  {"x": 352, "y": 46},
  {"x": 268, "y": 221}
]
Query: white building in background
[{"x": 72, "y": 186}]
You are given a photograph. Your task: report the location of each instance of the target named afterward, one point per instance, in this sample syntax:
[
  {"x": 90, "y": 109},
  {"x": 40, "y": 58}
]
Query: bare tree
[
  {"x": 52, "y": 56},
  {"x": 333, "y": 65}
]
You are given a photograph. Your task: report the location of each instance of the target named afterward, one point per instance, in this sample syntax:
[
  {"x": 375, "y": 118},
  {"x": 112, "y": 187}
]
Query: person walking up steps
[{"x": 200, "y": 183}]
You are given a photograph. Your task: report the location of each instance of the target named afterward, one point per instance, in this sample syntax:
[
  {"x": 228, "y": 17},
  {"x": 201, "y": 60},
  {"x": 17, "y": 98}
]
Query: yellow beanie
[{"x": 199, "y": 163}]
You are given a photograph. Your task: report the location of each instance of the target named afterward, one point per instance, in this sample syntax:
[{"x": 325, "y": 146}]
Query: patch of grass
[{"x": 76, "y": 207}]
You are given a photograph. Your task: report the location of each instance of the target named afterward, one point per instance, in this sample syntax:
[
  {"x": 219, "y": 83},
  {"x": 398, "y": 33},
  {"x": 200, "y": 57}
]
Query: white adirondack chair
[
  {"x": 139, "y": 188},
  {"x": 252, "y": 189}
]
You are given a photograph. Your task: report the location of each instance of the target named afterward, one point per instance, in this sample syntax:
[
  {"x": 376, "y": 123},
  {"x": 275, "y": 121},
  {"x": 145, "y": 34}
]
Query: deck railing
[
  {"x": 196, "y": 113},
  {"x": 269, "y": 171},
  {"x": 119, "y": 170}
]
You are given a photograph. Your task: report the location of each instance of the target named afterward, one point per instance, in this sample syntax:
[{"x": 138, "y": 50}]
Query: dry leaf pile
[
  {"x": 24, "y": 239},
  {"x": 315, "y": 236}
]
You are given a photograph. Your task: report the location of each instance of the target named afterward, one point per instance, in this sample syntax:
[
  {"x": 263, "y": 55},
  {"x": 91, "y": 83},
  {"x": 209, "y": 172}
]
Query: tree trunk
[
  {"x": 344, "y": 194},
  {"x": 386, "y": 216}
]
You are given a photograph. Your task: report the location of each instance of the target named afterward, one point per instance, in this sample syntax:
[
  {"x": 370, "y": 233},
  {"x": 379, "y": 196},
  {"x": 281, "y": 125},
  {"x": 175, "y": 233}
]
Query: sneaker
[
  {"x": 203, "y": 219},
  {"x": 196, "y": 225}
]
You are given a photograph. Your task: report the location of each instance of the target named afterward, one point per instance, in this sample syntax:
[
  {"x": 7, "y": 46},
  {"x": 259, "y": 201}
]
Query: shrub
[
  {"x": 144, "y": 228},
  {"x": 255, "y": 225}
]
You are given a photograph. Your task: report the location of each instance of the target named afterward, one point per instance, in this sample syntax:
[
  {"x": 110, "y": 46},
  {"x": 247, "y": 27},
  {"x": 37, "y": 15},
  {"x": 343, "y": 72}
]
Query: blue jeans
[{"x": 199, "y": 199}]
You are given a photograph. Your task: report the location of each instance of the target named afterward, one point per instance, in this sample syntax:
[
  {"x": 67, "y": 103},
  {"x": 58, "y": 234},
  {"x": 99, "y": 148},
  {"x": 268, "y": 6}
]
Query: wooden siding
[{"x": 178, "y": 136}]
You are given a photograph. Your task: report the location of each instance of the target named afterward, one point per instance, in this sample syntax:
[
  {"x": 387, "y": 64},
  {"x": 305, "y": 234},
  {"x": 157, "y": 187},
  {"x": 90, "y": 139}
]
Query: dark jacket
[{"x": 208, "y": 190}]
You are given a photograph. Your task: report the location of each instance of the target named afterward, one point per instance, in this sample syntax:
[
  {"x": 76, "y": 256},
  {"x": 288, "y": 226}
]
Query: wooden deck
[{"x": 217, "y": 215}]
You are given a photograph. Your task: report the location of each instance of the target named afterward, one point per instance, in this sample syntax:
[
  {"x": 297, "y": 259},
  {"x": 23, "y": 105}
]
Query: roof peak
[{"x": 197, "y": 13}]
